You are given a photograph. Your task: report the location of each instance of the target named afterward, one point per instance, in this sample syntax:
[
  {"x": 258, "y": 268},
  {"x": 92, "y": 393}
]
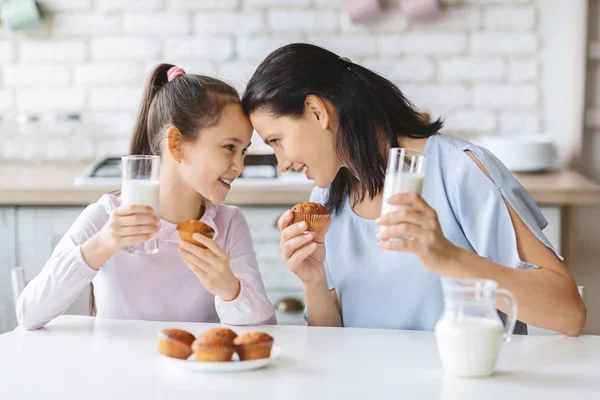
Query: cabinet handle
[{"x": 289, "y": 305}]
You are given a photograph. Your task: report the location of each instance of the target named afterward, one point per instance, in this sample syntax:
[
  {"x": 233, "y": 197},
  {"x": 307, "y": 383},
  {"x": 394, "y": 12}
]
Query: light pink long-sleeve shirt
[{"x": 147, "y": 286}]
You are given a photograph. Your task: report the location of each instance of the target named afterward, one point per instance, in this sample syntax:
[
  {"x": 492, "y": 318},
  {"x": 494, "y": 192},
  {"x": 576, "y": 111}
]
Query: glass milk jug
[{"x": 470, "y": 332}]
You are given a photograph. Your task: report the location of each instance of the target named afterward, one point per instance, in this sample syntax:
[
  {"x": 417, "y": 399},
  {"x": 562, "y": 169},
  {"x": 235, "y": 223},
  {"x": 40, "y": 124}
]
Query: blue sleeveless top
[{"x": 386, "y": 289}]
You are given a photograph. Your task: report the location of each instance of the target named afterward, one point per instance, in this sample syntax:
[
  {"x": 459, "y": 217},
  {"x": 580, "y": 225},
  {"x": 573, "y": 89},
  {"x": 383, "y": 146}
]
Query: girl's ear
[{"x": 175, "y": 144}]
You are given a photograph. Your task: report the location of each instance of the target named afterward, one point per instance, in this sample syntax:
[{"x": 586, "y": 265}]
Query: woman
[{"x": 335, "y": 121}]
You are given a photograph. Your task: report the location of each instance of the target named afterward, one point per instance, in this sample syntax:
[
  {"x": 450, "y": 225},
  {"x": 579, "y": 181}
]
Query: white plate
[{"x": 233, "y": 366}]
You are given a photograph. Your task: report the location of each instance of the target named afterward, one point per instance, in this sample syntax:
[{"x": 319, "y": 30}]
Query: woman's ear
[
  {"x": 175, "y": 144},
  {"x": 316, "y": 109}
]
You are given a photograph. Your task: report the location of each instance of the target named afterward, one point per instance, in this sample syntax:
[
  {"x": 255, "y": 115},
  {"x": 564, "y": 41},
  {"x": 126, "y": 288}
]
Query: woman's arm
[
  {"x": 547, "y": 297},
  {"x": 322, "y": 304}
]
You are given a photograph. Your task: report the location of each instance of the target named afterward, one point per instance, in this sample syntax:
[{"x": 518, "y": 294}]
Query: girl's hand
[
  {"x": 419, "y": 222},
  {"x": 303, "y": 252},
  {"x": 128, "y": 226},
  {"x": 211, "y": 266}
]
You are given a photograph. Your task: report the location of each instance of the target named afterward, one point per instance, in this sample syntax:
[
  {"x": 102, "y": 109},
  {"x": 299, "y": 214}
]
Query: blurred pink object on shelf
[
  {"x": 361, "y": 11},
  {"x": 420, "y": 10}
]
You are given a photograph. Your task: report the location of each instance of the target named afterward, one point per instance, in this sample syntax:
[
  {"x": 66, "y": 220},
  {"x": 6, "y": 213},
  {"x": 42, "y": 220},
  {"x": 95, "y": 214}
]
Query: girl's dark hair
[
  {"x": 189, "y": 102},
  {"x": 370, "y": 108}
]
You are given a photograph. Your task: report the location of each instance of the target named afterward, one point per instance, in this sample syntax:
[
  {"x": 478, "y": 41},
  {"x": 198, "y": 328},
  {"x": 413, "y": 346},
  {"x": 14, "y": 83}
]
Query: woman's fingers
[
  {"x": 414, "y": 201},
  {"x": 402, "y": 215},
  {"x": 400, "y": 231},
  {"x": 285, "y": 220},
  {"x": 399, "y": 245},
  {"x": 300, "y": 255},
  {"x": 292, "y": 245},
  {"x": 292, "y": 231}
]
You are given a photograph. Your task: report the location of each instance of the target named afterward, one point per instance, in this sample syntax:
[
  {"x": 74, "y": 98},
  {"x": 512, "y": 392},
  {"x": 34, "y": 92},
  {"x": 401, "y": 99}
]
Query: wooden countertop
[{"x": 52, "y": 185}]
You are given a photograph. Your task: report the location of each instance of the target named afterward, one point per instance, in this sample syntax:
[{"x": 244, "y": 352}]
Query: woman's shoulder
[{"x": 461, "y": 160}]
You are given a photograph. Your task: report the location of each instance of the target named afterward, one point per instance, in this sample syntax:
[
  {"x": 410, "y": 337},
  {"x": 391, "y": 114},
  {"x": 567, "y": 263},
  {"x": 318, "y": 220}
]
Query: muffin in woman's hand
[
  {"x": 254, "y": 345},
  {"x": 186, "y": 229},
  {"x": 215, "y": 345},
  {"x": 315, "y": 215},
  {"x": 175, "y": 343}
]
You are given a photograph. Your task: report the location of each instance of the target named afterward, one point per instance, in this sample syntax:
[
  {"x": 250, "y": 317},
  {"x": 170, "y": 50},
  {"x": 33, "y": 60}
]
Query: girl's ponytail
[{"x": 142, "y": 139}]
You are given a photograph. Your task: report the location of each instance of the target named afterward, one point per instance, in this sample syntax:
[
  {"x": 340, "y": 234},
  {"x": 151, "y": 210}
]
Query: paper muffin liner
[
  {"x": 213, "y": 352},
  {"x": 170, "y": 347},
  {"x": 315, "y": 222},
  {"x": 255, "y": 351}
]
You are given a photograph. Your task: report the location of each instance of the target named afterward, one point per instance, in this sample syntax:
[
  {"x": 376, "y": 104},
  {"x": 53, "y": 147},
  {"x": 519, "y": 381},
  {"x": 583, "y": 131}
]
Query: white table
[{"x": 86, "y": 358}]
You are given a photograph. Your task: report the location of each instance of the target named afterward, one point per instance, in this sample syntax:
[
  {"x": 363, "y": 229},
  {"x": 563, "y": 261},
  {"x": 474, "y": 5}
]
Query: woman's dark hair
[
  {"x": 189, "y": 102},
  {"x": 369, "y": 107}
]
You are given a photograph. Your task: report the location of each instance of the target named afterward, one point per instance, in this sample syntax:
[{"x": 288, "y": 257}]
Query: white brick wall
[
  {"x": 478, "y": 66},
  {"x": 517, "y": 18},
  {"x": 47, "y": 51}
]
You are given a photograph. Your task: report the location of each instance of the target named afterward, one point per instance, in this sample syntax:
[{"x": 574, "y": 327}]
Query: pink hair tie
[{"x": 174, "y": 72}]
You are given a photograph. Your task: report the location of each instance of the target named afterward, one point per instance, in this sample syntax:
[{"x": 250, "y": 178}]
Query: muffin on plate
[
  {"x": 315, "y": 215},
  {"x": 186, "y": 230},
  {"x": 254, "y": 345},
  {"x": 215, "y": 345},
  {"x": 175, "y": 343}
]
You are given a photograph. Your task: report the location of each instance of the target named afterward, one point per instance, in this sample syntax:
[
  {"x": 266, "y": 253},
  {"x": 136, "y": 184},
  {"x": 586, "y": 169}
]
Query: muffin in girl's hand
[
  {"x": 254, "y": 345},
  {"x": 315, "y": 215},
  {"x": 186, "y": 229},
  {"x": 175, "y": 343},
  {"x": 215, "y": 345}
]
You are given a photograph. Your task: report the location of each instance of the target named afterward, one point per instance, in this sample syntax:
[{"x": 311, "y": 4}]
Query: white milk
[
  {"x": 469, "y": 346},
  {"x": 139, "y": 191},
  {"x": 403, "y": 182}
]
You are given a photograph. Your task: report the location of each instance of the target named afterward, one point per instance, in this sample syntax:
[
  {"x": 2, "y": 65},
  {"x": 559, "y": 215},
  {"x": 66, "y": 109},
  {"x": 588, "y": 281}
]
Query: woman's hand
[
  {"x": 419, "y": 222},
  {"x": 128, "y": 226},
  {"x": 303, "y": 252},
  {"x": 211, "y": 266}
]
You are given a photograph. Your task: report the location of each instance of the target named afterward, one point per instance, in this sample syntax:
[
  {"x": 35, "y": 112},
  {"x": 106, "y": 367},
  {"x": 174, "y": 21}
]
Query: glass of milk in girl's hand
[
  {"x": 140, "y": 187},
  {"x": 405, "y": 173}
]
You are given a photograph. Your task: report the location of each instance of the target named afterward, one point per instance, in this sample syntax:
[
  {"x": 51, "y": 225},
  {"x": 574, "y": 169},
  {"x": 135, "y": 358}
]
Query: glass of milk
[
  {"x": 470, "y": 332},
  {"x": 140, "y": 186},
  {"x": 405, "y": 173}
]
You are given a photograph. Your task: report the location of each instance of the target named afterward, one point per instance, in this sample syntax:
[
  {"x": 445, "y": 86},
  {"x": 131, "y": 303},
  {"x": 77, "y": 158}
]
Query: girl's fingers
[
  {"x": 133, "y": 209},
  {"x": 199, "y": 272},
  {"x": 210, "y": 244},
  {"x": 138, "y": 219},
  {"x": 137, "y": 230},
  {"x": 205, "y": 255},
  {"x": 191, "y": 258},
  {"x": 136, "y": 239}
]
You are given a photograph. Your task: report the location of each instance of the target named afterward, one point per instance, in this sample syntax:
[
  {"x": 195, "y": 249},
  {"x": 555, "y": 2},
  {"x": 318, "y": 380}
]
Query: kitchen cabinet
[{"x": 8, "y": 229}]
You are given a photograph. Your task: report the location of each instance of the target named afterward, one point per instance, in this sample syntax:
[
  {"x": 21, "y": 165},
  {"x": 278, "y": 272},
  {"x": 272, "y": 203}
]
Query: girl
[
  {"x": 197, "y": 126},
  {"x": 336, "y": 120}
]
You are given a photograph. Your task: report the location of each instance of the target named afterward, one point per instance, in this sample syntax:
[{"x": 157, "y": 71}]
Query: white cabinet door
[
  {"x": 39, "y": 229},
  {"x": 7, "y": 261}
]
